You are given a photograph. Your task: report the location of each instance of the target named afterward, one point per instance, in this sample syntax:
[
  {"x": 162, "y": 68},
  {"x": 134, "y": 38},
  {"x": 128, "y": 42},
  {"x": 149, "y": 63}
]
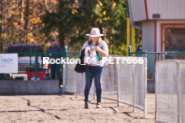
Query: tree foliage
[
  {"x": 74, "y": 19},
  {"x": 37, "y": 21},
  {"x": 21, "y": 21}
]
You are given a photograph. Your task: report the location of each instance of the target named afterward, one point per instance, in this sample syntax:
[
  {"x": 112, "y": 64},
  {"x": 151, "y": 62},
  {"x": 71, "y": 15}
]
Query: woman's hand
[
  {"x": 101, "y": 51},
  {"x": 90, "y": 50},
  {"x": 97, "y": 48}
]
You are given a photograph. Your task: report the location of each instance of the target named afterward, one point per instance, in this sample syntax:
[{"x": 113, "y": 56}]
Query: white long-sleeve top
[{"x": 103, "y": 45}]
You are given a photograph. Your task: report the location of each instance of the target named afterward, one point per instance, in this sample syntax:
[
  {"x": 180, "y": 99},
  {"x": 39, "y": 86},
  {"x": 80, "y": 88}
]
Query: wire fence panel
[
  {"x": 122, "y": 82},
  {"x": 132, "y": 80},
  {"x": 69, "y": 78},
  {"x": 80, "y": 83},
  {"x": 166, "y": 92},
  {"x": 109, "y": 82},
  {"x": 182, "y": 91},
  {"x": 140, "y": 80},
  {"x": 74, "y": 82},
  {"x": 126, "y": 83}
]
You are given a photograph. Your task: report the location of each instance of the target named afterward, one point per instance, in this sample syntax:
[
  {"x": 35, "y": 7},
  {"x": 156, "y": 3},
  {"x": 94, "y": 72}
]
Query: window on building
[{"x": 173, "y": 38}]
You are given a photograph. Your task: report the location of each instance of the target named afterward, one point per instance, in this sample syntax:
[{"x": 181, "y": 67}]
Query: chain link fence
[
  {"x": 153, "y": 57},
  {"x": 124, "y": 83},
  {"x": 170, "y": 101}
]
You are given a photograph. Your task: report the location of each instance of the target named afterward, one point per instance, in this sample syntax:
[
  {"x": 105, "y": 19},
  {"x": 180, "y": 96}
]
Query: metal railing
[
  {"x": 126, "y": 83},
  {"x": 170, "y": 94}
]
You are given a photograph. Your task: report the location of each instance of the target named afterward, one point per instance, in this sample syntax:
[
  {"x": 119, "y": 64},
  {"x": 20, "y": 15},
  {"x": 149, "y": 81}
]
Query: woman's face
[{"x": 94, "y": 39}]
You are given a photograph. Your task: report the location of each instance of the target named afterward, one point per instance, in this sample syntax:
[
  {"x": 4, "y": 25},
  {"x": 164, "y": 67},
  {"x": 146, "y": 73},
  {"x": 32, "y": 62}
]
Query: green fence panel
[{"x": 153, "y": 57}]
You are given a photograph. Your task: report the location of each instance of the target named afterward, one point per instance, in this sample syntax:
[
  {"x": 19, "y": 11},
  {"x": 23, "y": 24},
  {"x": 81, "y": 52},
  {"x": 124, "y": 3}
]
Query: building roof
[{"x": 142, "y": 10}]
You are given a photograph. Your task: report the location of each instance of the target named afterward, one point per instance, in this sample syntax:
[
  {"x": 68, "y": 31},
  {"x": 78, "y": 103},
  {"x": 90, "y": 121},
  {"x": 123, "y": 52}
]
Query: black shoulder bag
[{"x": 80, "y": 68}]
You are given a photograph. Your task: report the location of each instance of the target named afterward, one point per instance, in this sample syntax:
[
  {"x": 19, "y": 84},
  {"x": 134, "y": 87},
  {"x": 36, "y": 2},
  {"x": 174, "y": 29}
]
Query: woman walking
[{"x": 95, "y": 45}]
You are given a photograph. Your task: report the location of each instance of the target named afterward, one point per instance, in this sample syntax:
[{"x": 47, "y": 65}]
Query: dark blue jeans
[
  {"x": 96, "y": 73},
  {"x": 55, "y": 68}
]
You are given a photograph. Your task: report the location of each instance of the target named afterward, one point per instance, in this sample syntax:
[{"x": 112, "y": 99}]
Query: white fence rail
[
  {"x": 126, "y": 83},
  {"x": 170, "y": 91}
]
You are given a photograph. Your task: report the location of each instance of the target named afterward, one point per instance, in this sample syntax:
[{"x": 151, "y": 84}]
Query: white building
[{"x": 163, "y": 23}]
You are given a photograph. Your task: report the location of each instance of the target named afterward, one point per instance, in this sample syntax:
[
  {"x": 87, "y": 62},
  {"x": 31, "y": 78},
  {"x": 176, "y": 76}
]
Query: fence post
[
  {"x": 94, "y": 91},
  {"x": 76, "y": 86},
  {"x": 146, "y": 53},
  {"x": 145, "y": 84},
  {"x": 36, "y": 63},
  {"x": 64, "y": 79},
  {"x": 83, "y": 83},
  {"x": 133, "y": 86},
  {"x": 178, "y": 96},
  {"x": 30, "y": 60},
  {"x": 156, "y": 90},
  {"x": 65, "y": 51},
  {"x": 65, "y": 70},
  {"x": 146, "y": 77},
  {"x": 129, "y": 50},
  {"x": 158, "y": 56},
  {"x": 118, "y": 85}
]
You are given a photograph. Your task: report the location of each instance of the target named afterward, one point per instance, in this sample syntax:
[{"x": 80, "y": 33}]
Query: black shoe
[
  {"x": 86, "y": 105},
  {"x": 98, "y": 105}
]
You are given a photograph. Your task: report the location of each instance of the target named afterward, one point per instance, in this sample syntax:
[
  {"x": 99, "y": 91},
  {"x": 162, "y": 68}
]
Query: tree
[
  {"x": 113, "y": 20},
  {"x": 37, "y": 21},
  {"x": 74, "y": 20},
  {"x": 20, "y": 22}
]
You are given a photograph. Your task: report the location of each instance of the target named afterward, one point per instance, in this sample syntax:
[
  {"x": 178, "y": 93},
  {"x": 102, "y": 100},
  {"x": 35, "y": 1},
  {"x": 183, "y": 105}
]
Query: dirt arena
[{"x": 69, "y": 109}]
